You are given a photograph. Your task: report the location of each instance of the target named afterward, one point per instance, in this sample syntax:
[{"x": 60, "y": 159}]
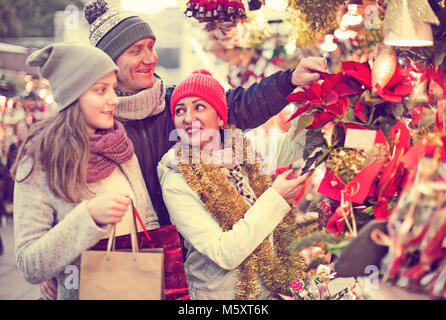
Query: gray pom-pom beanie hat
[
  {"x": 113, "y": 30},
  {"x": 71, "y": 68}
]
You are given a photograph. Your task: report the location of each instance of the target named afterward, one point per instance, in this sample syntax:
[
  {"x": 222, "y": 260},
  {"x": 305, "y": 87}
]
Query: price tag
[{"x": 360, "y": 139}]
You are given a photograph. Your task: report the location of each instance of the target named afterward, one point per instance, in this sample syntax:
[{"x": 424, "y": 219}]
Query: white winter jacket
[{"x": 213, "y": 255}]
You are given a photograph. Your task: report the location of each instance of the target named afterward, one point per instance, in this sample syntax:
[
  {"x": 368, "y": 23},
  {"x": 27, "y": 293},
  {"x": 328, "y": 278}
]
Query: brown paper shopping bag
[{"x": 135, "y": 274}]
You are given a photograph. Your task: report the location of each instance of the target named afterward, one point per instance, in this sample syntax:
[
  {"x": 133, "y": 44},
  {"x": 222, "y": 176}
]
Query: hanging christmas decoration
[
  {"x": 439, "y": 32},
  {"x": 352, "y": 18},
  {"x": 328, "y": 45},
  {"x": 312, "y": 19},
  {"x": 408, "y": 23},
  {"x": 216, "y": 10},
  {"x": 242, "y": 46},
  {"x": 317, "y": 14}
]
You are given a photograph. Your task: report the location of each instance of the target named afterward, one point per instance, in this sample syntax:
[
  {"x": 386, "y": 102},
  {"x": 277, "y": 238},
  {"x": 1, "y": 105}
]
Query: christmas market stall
[{"x": 372, "y": 221}]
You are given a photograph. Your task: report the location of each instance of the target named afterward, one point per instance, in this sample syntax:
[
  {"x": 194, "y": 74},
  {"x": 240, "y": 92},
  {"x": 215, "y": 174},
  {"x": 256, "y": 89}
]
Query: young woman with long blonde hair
[{"x": 76, "y": 173}]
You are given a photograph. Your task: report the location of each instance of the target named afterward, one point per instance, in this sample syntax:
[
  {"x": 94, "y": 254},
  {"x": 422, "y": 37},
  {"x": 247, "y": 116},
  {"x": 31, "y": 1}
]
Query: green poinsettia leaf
[
  {"x": 352, "y": 101},
  {"x": 313, "y": 140},
  {"x": 349, "y": 117},
  {"x": 397, "y": 110},
  {"x": 385, "y": 123},
  {"x": 338, "y": 135},
  {"x": 371, "y": 101},
  {"x": 304, "y": 121}
]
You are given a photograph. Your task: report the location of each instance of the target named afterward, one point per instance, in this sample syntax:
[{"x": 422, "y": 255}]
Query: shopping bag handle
[
  {"x": 111, "y": 241},
  {"x": 133, "y": 241},
  {"x": 136, "y": 214},
  {"x": 133, "y": 233}
]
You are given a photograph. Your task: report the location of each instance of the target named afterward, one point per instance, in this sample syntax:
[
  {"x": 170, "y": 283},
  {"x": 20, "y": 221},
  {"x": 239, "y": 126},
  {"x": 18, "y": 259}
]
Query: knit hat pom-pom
[
  {"x": 203, "y": 71},
  {"x": 94, "y": 9}
]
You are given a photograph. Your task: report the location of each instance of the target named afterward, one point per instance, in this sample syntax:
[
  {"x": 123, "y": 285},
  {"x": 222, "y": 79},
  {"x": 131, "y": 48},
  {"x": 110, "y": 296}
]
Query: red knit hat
[{"x": 202, "y": 84}]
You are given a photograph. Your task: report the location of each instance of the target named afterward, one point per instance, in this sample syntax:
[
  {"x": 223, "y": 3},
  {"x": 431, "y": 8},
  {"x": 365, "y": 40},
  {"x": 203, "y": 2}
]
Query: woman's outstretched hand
[{"x": 289, "y": 188}]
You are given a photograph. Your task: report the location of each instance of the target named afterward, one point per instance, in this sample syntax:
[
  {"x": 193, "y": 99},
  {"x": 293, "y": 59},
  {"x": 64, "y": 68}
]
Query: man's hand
[{"x": 304, "y": 74}]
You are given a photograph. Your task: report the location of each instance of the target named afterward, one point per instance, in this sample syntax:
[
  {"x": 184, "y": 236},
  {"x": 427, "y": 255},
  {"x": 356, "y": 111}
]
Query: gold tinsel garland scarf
[{"x": 276, "y": 266}]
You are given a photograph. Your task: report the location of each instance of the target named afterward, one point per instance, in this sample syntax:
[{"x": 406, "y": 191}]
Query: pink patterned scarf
[{"x": 107, "y": 149}]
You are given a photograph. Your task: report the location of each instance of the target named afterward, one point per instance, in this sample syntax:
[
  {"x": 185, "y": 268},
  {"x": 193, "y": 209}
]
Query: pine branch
[
  {"x": 302, "y": 228},
  {"x": 316, "y": 237}
]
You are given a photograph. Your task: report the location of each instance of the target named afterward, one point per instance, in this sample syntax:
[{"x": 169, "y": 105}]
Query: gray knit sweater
[{"x": 51, "y": 234}]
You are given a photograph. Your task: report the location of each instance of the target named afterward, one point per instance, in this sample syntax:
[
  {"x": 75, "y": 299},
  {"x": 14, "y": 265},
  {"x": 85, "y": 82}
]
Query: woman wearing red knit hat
[{"x": 231, "y": 215}]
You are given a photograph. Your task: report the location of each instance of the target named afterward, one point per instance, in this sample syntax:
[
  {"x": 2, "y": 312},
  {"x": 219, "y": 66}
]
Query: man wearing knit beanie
[
  {"x": 124, "y": 35},
  {"x": 144, "y": 105},
  {"x": 114, "y": 30}
]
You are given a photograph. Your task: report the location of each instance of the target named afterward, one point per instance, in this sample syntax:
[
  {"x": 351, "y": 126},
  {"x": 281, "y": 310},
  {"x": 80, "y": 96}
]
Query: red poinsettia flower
[
  {"x": 401, "y": 84},
  {"x": 339, "y": 83},
  {"x": 330, "y": 96},
  {"x": 358, "y": 71},
  {"x": 399, "y": 137},
  {"x": 320, "y": 118},
  {"x": 356, "y": 191}
]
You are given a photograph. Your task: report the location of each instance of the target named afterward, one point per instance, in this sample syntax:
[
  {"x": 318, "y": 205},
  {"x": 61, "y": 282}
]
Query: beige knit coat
[{"x": 51, "y": 234}]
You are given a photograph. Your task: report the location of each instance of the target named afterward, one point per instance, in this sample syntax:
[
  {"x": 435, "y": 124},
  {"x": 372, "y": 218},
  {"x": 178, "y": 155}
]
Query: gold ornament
[
  {"x": 276, "y": 266},
  {"x": 418, "y": 95},
  {"x": 383, "y": 68}
]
